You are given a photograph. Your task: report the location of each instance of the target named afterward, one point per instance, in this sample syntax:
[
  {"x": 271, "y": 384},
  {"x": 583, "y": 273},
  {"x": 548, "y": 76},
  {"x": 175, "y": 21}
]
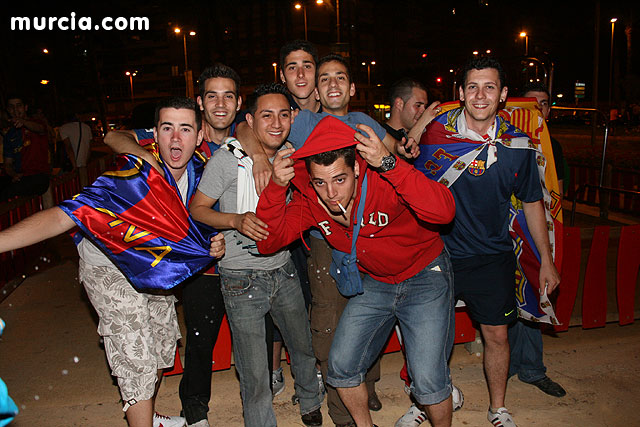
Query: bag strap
[
  {"x": 359, "y": 214},
  {"x": 77, "y": 150}
]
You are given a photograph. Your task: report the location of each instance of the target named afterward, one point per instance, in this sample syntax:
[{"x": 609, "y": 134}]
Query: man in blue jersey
[{"x": 498, "y": 163}]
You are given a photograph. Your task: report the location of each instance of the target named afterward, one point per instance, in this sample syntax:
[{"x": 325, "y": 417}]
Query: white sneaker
[
  {"x": 413, "y": 418},
  {"x": 277, "y": 382},
  {"x": 457, "y": 398},
  {"x": 500, "y": 418},
  {"x": 201, "y": 423},
  {"x": 165, "y": 421}
]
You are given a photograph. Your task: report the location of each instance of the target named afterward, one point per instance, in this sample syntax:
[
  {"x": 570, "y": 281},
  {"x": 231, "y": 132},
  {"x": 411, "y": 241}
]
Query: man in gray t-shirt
[{"x": 254, "y": 284}]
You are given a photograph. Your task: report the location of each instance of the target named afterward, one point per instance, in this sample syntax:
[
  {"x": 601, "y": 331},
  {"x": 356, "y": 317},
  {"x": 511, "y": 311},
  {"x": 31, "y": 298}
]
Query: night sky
[{"x": 560, "y": 31}]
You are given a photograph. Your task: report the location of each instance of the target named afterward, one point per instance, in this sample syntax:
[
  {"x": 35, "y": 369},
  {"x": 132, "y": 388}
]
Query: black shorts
[{"x": 487, "y": 283}]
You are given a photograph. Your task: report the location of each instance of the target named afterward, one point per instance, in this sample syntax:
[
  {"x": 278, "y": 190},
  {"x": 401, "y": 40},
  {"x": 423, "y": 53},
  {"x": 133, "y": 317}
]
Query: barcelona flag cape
[
  {"x": 137, "y": 218},
  {"x": 448, "y": 154}
]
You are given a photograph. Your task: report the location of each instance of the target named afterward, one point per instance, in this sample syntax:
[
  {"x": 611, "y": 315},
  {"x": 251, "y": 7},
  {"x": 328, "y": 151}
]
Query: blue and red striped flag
[{"x": 137, "y": 218}]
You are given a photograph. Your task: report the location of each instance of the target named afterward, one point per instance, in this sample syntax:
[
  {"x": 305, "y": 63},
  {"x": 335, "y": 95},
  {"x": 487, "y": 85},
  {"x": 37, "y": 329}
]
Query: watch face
[{"x": 388, "y": 163}]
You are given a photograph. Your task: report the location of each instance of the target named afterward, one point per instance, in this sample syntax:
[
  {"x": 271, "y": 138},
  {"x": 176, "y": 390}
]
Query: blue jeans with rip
[
  {"x": 248, "y": 296},
  {"x": 423, "y": 306}
]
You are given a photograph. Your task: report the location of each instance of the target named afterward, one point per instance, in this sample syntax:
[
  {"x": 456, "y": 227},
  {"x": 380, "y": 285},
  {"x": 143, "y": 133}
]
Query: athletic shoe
[
  {"x": 407, "y": 390},
  {"x": 323, "y": 390},
  {"x": 457, "y": 398},
  {"x": 412, "y": 418},
  {"x": 277, "y": 382},
  {"x": 201, "y": 423},
  {"x": 165, "y": 421},
  {"x": 500, "y": 418},
  {"x": 549, "y": 386}
]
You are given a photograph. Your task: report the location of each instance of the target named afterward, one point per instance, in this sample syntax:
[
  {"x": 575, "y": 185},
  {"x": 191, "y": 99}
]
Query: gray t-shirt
[{"x": 220, "y": 181}]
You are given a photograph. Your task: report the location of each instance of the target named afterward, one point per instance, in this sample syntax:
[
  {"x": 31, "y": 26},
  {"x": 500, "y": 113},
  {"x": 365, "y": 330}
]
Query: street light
[
  {"x": 369, "y": 71},
  {"x": 613, "y": 24},
  {"x": 275, "y": 75},
  {"x": 187, "y": 75},
  {"x": 526, "y": 42},
  {"x": 300, "y": 5},
  {"x": 131, "y": 76}
]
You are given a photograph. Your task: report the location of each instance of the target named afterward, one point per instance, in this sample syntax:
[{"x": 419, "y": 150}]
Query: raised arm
[
  {"x": 537, "y": 223},
  {"x": 36, "y": 228},
  {"x": 431, "y": 201},
  {"x": 429, "y": 114},
  {"x": 32, "y": 125},
  {"x": 284, "y": 221},
  {"x": 126, "y": 141}
]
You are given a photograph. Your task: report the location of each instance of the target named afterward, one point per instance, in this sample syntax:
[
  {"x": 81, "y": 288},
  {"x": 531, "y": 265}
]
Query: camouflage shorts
[{"x": 140, "y": 330}]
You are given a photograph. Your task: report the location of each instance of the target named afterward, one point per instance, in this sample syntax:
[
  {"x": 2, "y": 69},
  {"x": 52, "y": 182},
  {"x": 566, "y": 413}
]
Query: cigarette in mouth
[{"x": 344, "y": 211}]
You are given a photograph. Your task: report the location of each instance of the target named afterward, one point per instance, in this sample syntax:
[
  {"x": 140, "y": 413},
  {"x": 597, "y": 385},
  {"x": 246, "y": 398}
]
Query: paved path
[{"x": 55, "y": 369}]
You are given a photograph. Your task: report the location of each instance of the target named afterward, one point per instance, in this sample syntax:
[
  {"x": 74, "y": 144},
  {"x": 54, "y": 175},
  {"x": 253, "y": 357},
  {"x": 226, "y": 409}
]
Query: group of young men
[{"x": 388, "y": 244}]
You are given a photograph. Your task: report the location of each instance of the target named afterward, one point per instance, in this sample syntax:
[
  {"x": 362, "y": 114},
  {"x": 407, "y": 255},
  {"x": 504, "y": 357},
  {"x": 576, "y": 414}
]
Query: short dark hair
[
  {"x": 403, "y": 89},
  {"x": 337, "y": 58},
  {"x": 535, "y": 87},
  {"x": 179, "y": 103},
  {"x": 17, "y": 95},
  {"x": 297, "y": 45},
  {"x": 265, "y": 89},
  {"x": 218, "y": 70},
  {"x": 480, "y": 63},
  {"x": 329, "y": 157}
]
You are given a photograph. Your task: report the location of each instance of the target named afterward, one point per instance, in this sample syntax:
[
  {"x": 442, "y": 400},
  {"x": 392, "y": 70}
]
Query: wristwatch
[{"x": 388, "y": 163}]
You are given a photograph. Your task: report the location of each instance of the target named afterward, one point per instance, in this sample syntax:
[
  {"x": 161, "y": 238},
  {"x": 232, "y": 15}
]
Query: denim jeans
[
  {"x": 525, "y": 341},
  {"x": 248, "y": 296},
  {"x": 423, "y": 306}
]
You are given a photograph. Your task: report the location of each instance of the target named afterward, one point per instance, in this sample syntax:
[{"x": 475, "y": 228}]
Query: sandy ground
[{"x": 56, "y": 371}]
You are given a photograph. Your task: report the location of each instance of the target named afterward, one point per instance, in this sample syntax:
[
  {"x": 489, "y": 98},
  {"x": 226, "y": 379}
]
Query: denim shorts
[{"x": 423, "y": 306}]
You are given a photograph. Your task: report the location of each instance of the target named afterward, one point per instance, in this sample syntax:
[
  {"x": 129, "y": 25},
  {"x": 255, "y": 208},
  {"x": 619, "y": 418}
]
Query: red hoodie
[{"x": 398, "y": 237}]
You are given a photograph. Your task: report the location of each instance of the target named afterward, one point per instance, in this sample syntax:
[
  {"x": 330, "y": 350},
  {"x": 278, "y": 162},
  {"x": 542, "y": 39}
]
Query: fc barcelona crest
[
  {"x": 476, "y": 167},
  {"x": 459, "y": 165}
]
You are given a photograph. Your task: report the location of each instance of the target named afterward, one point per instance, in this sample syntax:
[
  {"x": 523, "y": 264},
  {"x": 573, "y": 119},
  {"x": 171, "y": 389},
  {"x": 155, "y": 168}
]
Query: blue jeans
[
  {"x": 423, "y": 306},
  {"x": 525, "y": 341},
  {"x": 248, "y": 296}
]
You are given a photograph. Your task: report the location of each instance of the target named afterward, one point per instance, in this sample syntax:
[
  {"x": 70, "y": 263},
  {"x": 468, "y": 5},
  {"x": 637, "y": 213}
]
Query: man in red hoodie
[{"x": 406, "y": 273}]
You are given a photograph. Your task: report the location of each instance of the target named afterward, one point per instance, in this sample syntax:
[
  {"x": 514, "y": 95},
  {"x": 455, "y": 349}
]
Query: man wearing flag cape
[
  {"x": 491, "y": 168},
  {"x": 136, "y": 234}
]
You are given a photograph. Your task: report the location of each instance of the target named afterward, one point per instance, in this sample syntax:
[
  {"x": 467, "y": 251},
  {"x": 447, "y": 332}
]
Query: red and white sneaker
[
  {"x": 500, "y": 418},
  {"x": 165, "y": 421}
]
